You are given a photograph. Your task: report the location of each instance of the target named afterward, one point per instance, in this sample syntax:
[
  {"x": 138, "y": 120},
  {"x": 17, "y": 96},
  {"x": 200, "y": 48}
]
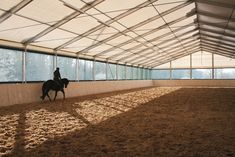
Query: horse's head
[{"x": 65, "y": 82}]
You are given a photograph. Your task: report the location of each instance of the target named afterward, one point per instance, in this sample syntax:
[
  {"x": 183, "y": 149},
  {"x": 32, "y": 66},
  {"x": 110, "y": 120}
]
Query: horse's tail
[{"x": 43, "y": 92}]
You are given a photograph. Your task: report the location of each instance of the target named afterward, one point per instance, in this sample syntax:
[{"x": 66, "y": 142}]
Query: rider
[{"x": 57, "y": 77}]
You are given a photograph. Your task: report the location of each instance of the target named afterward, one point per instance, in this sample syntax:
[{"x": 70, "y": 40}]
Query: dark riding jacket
[{"x": 57, "y": 76}]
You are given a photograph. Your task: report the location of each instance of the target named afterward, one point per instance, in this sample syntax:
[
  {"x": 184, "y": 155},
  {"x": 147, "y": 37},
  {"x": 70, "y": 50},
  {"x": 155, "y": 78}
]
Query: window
[
  {"x": 88, "y": 70},
  {"x": 39, "y": 67},
  {"x": 100, "y": 71},
  {"x": 160, "y": 74},
  {"x": 226, "y": 73},
  {"x": 135, "y": 73},
  {"x": 201, "y": 73},
  {"x": 121, "y": 72},
  {"x": 111, "y": 71},
  {"x": 139, "y": 73},
  {"x": 181, "y": 74},
  {"x": 128, "y": 73},
  {"x": 10, "y": 65},
  {"x": 67, "y": 67},
  {"x": 81, "y": 75}
]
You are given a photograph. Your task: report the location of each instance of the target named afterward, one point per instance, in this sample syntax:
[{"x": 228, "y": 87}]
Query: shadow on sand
[{"x": 187, "y": 122}]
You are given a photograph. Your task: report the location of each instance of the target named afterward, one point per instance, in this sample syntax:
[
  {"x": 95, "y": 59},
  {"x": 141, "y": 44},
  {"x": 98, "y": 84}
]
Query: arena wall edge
[
  {"x": 194, "y": 83},
  {"x": 27, "y": 93}
]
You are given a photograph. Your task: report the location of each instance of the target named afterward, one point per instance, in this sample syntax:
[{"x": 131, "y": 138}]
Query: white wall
[
  {"x": 194, "y": 83},
  {"x": 26, "y": 93}
]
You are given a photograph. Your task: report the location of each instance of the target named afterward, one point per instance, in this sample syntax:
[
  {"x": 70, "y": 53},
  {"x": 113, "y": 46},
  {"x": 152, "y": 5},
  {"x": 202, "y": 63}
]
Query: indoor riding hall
[{"x": 135, "y": 78}]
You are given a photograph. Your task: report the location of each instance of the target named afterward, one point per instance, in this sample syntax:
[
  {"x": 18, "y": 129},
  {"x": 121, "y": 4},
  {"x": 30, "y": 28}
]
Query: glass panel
[
  {"x": 111, "y": 72},
  {"x": 39, "y": 67},
  {"x": 226, "y": 73},
  {"x": 81, "y": 75},
  {"x": 128, "y": 73},
  {"x": 88, "y": 70},
  {"x": 67, "y": 67},
  {"x": 139, "y": 73},
  {"x": 149, "y": 74},
  {"x": 144, "y": 74},
  {"x": 160, "y": 74},
  {"x": 135, "y": 73},
  {"x": 181, "y": 74},
  {"x": 10, "y": 65},
  {"x": 121, "y": 72},
  {"x": 201, "y": 73},
  {"x": 100, "y": 71}
]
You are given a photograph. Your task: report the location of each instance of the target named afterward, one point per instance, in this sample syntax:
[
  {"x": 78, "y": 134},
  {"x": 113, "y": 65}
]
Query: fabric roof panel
[
  {"x": 80, "y": 44},
  {"x": 214, "y": 9},
  {"x": 150, "y": 26},
  {"x": 8, "y": 4},
  {"x": 80, "y": 24},
  {"x": 179, "y": 13},
  {"x": 114, "y": 8},
  {"x": 21, "y": 30},
  {"x": 138, "y": 16},
  {"x": 41, "y": 10},
  {"x": 163, "y": 5}
]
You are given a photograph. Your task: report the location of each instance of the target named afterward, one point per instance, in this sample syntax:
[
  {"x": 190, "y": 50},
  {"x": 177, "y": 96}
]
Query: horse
[{"x": 53, "y": 85}]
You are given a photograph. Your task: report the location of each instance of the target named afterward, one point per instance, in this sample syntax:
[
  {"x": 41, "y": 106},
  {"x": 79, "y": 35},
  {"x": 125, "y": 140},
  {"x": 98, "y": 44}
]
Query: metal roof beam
[
  {"x": 159, "y": 37},
  {"x": 209, "y": 14},
  {"x": 216, "y": 25},
  {"x": 217, "y": 32},
  {"x": 223, "y": 53},
  {"x": 144, "y": 34},
  {"x": 173, "y": 53},
  {"x": 218, "y": 42},
  {"x": 14, "y": 9},
  {"x": 158, "y": 45},
  {"x": 63, "y": 21},
  {"x": 141, "y": 51},
  {"x": 153, "y": 55},
  {"x": 137, "y": 25},
  {"x": 128, "y": 12},
  {"x": 213, "y": 46},
  {"x": 221, "y": 47},
  {"x": 215, "y": 37},
  {"x": 174, "y": 57},
  {"x": 228, "y": 4}
]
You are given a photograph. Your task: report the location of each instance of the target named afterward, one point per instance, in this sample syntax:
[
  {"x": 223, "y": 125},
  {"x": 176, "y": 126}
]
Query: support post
[
  {"x": 93, "y": 70},
  {"x": 106, "y": 70},
  {"x": 77, "y": 68},
  {"x": 24, "y": 65},
  {"x": 191, "y": 74},
  {"x": 117, "y": 71},
  {"x": 170, "y": 70},
  {"x": 213, "y": 67}
]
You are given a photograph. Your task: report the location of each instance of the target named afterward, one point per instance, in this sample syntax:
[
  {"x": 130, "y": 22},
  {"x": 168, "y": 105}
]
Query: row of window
[
  {"x": 39, "y": 67},
  {"x": 220, "y": 73}
]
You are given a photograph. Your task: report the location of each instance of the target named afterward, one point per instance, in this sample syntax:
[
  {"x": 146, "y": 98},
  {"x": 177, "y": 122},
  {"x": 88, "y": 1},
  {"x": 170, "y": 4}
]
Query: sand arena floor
[{"x": 152, "y": 122}]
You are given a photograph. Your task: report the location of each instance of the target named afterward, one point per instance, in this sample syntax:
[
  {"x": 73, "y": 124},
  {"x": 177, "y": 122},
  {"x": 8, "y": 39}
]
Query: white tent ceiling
[{"x": 138, "y": 32}]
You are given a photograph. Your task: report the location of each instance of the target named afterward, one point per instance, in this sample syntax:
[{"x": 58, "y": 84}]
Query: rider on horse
[{"x": 57, "y": 77}]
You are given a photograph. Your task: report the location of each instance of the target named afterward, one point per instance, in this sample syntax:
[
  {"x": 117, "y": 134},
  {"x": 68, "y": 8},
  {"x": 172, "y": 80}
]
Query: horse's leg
[
  {"x": 55, "y": 94},
  {"x": 43, "y": 95},
  {"x": 46, "y": 93},
  {"x": 63, "y": 93}
]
